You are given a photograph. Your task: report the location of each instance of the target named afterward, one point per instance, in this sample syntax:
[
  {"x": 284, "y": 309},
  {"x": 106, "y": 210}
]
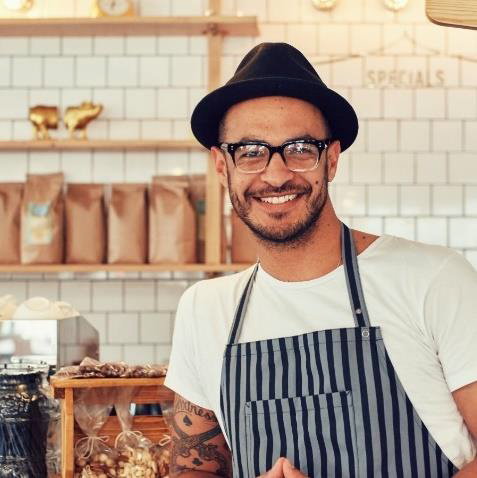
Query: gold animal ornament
[
  {"x": 43, "y": 119},
  {"x": 78, "y": 117}
]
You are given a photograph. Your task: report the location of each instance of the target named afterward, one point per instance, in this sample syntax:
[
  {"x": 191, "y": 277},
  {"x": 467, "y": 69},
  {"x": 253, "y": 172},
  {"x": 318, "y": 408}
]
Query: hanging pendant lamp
[
  {"x": 395, "y": 5},
  {"x": 324, "y": 4}
]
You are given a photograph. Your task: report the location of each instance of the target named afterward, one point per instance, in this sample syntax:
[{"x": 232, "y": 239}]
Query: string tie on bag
[
  {"x": 128, "y": 434},
  {"x": 165, "y": 440},
  {"x": 88, "y": 447}
]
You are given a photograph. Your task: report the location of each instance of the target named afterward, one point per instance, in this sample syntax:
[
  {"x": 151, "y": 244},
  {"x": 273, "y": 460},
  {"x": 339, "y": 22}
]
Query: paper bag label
[{"x": 39, "y": 224}]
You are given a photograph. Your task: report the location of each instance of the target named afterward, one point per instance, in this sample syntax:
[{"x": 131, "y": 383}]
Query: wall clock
[
  {"x": 18, "y": 5},
  {"x": 113, "y": 8}
]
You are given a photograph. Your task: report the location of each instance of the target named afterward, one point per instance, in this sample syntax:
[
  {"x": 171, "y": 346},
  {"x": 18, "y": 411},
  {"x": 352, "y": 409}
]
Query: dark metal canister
[{"x": 23, "y": 423}]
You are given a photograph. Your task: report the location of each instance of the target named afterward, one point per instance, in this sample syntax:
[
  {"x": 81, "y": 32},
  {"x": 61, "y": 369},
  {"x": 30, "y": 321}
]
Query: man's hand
[
  {"x": 276, "y": 471},
  {"x": 289, "y": 471},
  {"x": 283, "y": 469}
]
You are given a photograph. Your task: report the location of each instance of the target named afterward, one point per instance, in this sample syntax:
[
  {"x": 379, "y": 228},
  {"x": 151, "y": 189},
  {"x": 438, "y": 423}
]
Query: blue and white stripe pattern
[{"x": 330, "y": 401}]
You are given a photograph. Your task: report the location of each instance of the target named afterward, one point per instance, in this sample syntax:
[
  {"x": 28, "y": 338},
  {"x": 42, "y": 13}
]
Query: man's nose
[{"x": 276, "y": 173}]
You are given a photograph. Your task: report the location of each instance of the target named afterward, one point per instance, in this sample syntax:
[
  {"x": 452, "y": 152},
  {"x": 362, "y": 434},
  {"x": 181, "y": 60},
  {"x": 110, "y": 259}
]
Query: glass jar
[
  {"x": 51, "y": 409},
  {"x": 23, "y": 422}
]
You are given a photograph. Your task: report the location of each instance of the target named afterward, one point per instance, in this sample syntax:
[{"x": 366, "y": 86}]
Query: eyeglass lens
[{"x": 255, "y": 157}]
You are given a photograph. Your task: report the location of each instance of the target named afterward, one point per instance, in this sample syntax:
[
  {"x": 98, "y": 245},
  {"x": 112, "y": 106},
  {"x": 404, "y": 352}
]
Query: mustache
[{"x": 287, "y": 188}]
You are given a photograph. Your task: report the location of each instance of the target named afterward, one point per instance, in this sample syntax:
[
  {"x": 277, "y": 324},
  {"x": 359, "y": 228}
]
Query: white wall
[{"x": 412, "y": 171}]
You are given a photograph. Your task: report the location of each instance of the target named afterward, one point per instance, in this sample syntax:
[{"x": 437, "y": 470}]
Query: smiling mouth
[{"x": 278, "y": 199}]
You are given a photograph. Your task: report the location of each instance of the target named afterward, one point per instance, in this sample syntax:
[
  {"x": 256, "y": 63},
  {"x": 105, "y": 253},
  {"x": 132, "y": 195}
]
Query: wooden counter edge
[{"x": 59, "y": 385}]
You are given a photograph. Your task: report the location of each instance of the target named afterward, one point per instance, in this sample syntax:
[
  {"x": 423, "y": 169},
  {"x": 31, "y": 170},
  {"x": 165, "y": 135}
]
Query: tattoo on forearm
[
  {"x": 181, "y": 405},
  {"x": 195, "y": 447},
  {"x": 187, "y": 421}
]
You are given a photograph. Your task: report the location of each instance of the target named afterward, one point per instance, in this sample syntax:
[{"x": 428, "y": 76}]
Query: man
[{"x": 305, "y": 364}]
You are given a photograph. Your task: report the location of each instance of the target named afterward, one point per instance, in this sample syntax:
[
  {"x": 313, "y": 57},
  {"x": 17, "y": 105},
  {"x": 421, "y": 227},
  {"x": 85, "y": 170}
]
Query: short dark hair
[{"x": 221, "y": 130}]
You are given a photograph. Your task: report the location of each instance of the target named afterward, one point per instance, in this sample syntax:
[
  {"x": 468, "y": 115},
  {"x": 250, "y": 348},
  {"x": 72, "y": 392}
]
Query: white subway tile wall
[{"x": 411, "y": 172}]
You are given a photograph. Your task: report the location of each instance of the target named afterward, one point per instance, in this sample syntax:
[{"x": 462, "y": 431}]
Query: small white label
[{"x": 39, "y": 224}]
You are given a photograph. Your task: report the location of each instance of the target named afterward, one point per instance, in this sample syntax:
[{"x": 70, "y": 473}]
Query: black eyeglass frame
[{"x": 321, "y": 144}]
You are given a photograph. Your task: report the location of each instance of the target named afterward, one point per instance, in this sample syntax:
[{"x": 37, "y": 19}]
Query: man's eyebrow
[
  {"x": 247, "y": 139},
  {"x": 296, "y": 138}
]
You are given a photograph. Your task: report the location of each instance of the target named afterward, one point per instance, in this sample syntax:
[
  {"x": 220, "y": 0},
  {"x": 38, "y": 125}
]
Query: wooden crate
[{"x": 147, "y": 391}]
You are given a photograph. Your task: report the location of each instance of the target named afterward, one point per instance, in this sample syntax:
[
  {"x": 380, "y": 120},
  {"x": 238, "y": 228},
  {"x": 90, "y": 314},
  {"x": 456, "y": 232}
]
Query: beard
[{"x": 291, "y": 235}]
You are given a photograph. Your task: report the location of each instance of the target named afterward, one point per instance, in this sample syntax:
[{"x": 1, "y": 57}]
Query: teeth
[{"x": 279, "y": 199}]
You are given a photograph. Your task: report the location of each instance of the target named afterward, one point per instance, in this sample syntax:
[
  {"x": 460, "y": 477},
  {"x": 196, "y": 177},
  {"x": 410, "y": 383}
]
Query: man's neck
[{"x": 319, "y": 255}]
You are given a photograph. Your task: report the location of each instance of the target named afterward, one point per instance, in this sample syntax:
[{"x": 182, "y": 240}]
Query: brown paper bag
[
  {"x": 10, "y": 208},
  {"x": 127, "y": 224},
  {"x": 85, "y": 224},
  {"x": 42, "y": 239},
  {"x": 243, "y": 248},
  {"x": 197, "y": 190},
  {"x": 172, "y": 223}
]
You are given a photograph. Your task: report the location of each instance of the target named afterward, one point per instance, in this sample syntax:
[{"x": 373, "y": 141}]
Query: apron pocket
[{"x": 316, "y": 433}]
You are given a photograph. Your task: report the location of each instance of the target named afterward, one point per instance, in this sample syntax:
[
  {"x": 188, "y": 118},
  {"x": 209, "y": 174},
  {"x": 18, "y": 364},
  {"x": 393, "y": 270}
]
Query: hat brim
[{"x": 211, "y": 109}]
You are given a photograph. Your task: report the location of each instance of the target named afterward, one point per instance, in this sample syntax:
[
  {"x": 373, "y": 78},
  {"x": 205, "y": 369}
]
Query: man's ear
[
  {"x": 332, "y": 155},
  {"x": 220, "y": 165}
]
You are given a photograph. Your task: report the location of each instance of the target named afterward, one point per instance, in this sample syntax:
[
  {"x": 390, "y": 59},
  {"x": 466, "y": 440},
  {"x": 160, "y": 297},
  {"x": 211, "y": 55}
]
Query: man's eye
[
  {"x": 251, "y": 153},
  {"x": 300, "y": 149}
]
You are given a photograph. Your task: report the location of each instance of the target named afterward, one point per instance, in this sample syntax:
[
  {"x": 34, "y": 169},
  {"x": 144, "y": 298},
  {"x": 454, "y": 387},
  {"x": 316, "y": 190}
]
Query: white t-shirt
[{"x": 423, "y": 297}]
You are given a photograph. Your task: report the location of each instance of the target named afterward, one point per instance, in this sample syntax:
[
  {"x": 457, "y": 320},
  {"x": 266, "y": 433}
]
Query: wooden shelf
[
  {"x": 214, "y": 27},
  {"x": 141, "y": 26},
  {"x": 91, "y": 268},
  {"x": 59, "y": 383},
  {"x": 99, "y": 145},
  {"x": 456, "y": 13},
  {"x": 152, "y": 390}
]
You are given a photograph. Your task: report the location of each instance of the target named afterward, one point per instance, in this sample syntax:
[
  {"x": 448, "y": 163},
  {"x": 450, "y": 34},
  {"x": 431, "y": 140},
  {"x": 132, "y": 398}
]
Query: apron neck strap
[
  {"x": 242, "y": 307},
  {"x": 353, "y": 281}
]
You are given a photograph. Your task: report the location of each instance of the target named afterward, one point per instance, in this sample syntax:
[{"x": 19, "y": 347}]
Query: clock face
[
  {"x": 115, "y": 8},
  {"x": 18, "y": 5}
]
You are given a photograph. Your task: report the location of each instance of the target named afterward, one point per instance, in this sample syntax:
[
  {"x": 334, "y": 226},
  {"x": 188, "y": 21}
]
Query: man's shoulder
[{"x": 414, "y": 256}]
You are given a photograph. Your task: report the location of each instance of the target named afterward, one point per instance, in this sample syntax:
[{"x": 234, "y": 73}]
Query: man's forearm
[
  {"x": 194, "y": 474},
  {"x": 468, "y": 471}
]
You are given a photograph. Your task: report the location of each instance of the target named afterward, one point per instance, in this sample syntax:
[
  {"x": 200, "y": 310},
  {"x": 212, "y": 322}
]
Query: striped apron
[{"x": 330, "y": 401}]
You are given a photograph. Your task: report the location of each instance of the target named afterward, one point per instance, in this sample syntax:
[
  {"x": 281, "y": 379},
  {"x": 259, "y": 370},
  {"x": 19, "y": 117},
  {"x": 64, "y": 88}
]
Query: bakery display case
[{"x": 57, "y": 342}]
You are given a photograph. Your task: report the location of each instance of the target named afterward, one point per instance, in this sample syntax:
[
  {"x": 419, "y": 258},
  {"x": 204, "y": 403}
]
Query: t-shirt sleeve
[
  {"x": 450, "y": 310},
  {"x": 182, "y": 375}
]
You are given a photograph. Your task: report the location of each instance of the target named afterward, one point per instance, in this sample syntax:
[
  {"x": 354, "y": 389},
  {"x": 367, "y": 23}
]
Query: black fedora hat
[{"x": 274, "y": 69}]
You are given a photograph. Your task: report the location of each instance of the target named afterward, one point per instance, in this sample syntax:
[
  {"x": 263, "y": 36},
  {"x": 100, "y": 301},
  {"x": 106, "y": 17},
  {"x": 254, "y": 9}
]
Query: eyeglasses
[{"x": 300, "y": 155}]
